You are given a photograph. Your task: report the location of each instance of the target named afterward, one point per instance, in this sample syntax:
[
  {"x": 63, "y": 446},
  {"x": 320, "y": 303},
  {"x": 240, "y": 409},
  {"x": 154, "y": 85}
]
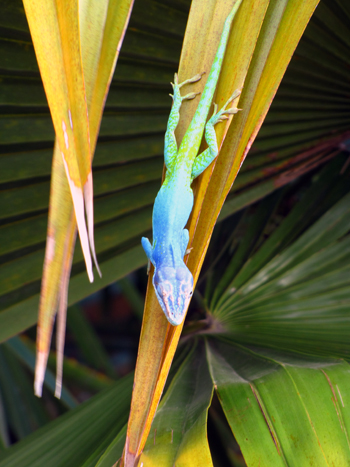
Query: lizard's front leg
[
  {"x": 203, "y": 160},
  {"x": 146, "y": 244},
  {"x": 170, "y": 146}
]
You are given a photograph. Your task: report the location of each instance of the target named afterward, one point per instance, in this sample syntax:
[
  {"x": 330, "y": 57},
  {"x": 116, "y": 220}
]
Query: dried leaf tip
[{"x": 40, "y": 367}]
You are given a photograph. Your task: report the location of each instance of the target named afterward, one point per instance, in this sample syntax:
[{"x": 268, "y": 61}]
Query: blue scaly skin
[{"x": 172, "y": 280}]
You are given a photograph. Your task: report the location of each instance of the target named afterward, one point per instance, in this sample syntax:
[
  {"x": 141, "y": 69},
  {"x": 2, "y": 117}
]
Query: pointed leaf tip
[
  {"x": 78, "y": 202},
  {"x": 89, "y": 207},
  {"x": 40, "y": 368}
]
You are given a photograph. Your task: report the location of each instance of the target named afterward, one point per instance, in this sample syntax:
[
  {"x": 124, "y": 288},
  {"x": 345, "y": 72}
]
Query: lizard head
[{"x": 174, "y": 288}]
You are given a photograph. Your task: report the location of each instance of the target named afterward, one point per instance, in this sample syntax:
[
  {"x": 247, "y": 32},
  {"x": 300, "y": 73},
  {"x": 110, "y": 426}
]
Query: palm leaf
[
  {"x": 179, "y": 437},
  {"x": 54, "y": 29},
  {"x": 310, "y": 275},
  {"x": 77, "y": 436},
  {"x": 97, "y": 30},
  {"x": 254, "y": 58},
  {"x": 273, "y": 400},
  {"x": 298, "y": 301}
]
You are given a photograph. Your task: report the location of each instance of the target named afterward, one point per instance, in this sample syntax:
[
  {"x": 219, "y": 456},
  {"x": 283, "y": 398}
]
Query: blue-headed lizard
[{"x": 172, "y": 280}]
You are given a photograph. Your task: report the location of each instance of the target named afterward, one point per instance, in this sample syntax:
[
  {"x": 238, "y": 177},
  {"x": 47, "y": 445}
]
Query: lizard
[{"x": 172, "y": 280}]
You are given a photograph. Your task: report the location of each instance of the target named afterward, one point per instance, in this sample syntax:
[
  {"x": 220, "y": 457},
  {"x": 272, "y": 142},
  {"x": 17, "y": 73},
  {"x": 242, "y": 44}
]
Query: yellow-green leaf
[
  {"x": 263, "y": 38},
  {"x": 102, "y": 29},
  {"x": 179, "y": 437},
  {"x": 54, "y": 27}
]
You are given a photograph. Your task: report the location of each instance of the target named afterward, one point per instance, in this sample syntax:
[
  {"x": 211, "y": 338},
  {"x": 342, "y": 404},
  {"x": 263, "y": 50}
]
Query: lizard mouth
[{"x": 175, "y": 320}]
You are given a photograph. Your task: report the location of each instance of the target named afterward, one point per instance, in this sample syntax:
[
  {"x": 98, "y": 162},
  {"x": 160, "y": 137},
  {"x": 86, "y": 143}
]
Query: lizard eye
[
  {"x": 186, "y": 289},
  {"x": 166, "y": 288}
]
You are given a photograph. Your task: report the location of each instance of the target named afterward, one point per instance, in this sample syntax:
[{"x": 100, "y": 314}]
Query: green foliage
[
  {"x": 274, "y": 341},
  {"x": 78, "y": 436}
]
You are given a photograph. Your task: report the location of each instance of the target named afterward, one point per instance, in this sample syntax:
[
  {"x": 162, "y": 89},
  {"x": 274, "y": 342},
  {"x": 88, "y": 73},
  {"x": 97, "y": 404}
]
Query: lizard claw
[
  {"x": 190, "y": 96},
  {"x": 221, "y": 118},
  {"x": 235, "y": 94},
  {"x": 176, "y": 87},
  {"x": 232, "y": 111},
  {"x": 194, "y": 79},
  {"x": 215, "y": 110},
  {"x": 224, "y": 113}
]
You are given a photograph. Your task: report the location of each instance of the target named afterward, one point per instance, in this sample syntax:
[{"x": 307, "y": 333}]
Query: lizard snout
[{"x": 174, "y": 288}]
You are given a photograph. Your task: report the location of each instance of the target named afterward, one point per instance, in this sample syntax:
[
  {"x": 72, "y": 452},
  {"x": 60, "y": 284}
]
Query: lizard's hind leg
[
  {"x": 202, "y": 161},
  {"x": 170, "y": 146}
]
